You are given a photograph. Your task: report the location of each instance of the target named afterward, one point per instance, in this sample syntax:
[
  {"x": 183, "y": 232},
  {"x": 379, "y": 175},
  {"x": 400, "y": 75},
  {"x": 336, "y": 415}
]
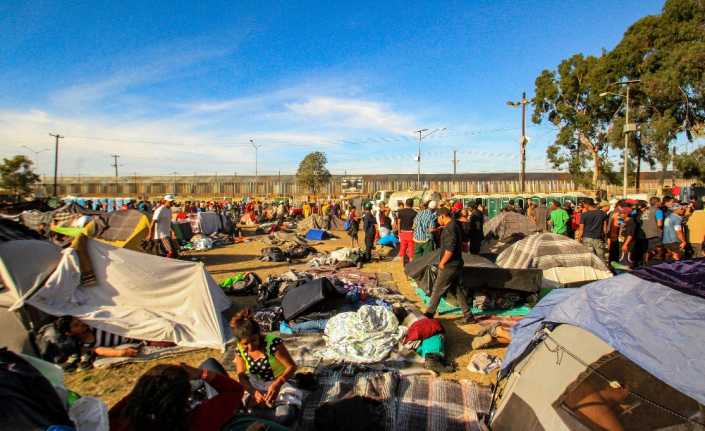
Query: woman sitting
[{"x": 263, "y": 368}]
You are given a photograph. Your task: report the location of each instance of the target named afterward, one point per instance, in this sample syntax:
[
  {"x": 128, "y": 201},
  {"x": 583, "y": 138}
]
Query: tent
[
  {"x": 620, "y": 353},
  {"x": 136, "y": 295},
  {"x": 24, "y": 266},
  {"x": 12, "y": 230},
  {"x": 124, "y": 228},
  {"x": 316, "y": 221},
  {"x": 563, "y": 260},
  {"x": 505, "y": 229},
  {"x": 478, "y": 273}
]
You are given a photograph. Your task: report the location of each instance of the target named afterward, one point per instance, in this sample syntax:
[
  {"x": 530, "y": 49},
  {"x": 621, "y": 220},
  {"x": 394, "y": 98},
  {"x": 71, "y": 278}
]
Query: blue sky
[{"x": 181, "y": 86}]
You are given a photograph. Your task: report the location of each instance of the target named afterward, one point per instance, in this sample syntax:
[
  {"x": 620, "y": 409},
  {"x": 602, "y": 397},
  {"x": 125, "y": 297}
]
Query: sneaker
[
  {"x": 481, "y": 342},
  {"x": 71, "y": 363},
  {"x": 86, "y": 362}
]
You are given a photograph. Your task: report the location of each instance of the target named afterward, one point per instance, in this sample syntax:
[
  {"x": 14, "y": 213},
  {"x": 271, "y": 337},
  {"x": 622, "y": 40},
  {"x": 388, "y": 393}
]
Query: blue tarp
[{"x": 658, "y": 328}]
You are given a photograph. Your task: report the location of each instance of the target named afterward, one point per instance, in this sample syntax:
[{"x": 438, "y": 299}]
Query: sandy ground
[{"x": 112, "y": 384}]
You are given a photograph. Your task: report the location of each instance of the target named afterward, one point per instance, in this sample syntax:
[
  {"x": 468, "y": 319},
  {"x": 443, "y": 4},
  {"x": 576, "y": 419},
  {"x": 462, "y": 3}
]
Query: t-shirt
[
  {"x": 559, "y": 220},
  {"x": 593, "y": 222},
  {"x": 451, "y": 240},
  {"x": 163, "y": 226},
  {"x": 633, "y": 228},
  {"x": 541, "y": 213},
  {"x": 423, "y": 224},
  {"x": 369, "y": 222},
  {"x": 406, "y": 218},
  {"x": 671, "y": 225}
]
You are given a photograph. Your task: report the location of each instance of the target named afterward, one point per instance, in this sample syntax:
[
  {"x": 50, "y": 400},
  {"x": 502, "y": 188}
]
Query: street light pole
[
  {"x": 418, "y": 160},
  {"x": 256, "y": 147},
  {"x": 522, "y": 140},
  {"x": 626, "y": 146}
]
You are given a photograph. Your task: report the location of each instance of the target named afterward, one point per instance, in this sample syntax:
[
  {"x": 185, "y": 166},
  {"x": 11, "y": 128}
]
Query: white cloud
[{"x": 353, "y": 113}]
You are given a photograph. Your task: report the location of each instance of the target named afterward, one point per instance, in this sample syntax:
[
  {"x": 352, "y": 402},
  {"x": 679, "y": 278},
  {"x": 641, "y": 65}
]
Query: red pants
[{"x": 406, "y": 238}]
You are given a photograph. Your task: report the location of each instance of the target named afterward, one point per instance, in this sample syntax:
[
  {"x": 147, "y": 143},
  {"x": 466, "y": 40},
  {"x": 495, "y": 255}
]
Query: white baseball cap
[
  {"x": 169, "y": 198},
  {"x": 432, "y": 205}
]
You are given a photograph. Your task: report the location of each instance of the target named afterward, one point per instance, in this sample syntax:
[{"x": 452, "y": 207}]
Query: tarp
[
  {"x": 209, "y": 223},
  {"x": 11, "y": 230},
  {"x": 316, "y": 221},
  {"x": 507, "y": 224},
  {"x": 138, "y": 296},
  {"x": 656, "y": 327},
  {"x": 549, "y": 250},
  {"x": 124, "y": 228}
]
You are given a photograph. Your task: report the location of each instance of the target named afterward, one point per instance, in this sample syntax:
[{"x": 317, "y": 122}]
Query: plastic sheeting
[
  {"x": 138, "y": 296},
  {"x": 656, "y": 327}
]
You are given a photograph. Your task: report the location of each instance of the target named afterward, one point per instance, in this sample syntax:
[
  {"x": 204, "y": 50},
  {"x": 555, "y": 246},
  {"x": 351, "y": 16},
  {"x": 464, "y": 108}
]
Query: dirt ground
[{"x": 112, "y": 384}]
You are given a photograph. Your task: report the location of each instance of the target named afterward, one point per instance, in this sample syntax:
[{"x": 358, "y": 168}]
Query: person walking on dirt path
[
  {"x": 450, "y": 268},
  {"x": 424, "y": 225}
]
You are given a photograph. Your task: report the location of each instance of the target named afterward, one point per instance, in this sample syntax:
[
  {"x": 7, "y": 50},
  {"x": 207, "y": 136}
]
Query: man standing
[
  {"x": 477, "y": 220},
  {"x": 592, "y": 228},
  {"x": 559, "y": 219},
  {"x": 673, "y": 236},
  {"x": 369, "y": 222},
  {"x": 424, "y": 224},
  {"x": 696, "y": 232},
  {"x": 450, "y": 267},
  {"x": 652, "y": 223},
  {"x": 635, "y": 244},
  {"x": 405, "y": 226},
  {"x": 160, "y": 228}
]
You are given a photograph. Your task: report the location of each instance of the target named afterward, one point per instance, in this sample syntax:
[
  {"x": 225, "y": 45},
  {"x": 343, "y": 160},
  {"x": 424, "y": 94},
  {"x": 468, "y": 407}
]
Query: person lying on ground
[
  {"x": 96, "y": 342},
  {"x": 263, "y": 367},
  {"x": 491, "y": 335},
  {"x": 164, "y": 399}
]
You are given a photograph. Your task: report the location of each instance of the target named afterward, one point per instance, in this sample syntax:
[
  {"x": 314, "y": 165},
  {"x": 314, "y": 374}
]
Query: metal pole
[
  {"x": 522, "y": 145},
  {"x": 418, "y": 164},
  {"x": 56, "y": 161},
  {"x": 626, "y": 147}
]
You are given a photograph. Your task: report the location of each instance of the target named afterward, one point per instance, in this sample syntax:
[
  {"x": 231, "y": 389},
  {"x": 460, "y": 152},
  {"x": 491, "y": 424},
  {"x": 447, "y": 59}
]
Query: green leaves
[
  {"x": 16, "y": 176},
  {"x": 312, "y": 172}
]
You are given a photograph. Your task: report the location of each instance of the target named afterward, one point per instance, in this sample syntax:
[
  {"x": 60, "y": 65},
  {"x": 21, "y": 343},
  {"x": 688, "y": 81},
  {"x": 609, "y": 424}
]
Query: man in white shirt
[{"x": 160, "y": 228}]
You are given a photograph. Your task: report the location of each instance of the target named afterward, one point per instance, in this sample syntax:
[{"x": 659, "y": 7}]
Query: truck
[{"x": 391, "y": 199}]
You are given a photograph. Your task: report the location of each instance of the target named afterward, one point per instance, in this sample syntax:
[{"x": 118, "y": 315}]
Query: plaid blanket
[
  {"x": 428, "y": 403},
  {"x": 410, "y": 402},
  {"x": 549, "y": 250},
  {"x": 32, "y": 219}
]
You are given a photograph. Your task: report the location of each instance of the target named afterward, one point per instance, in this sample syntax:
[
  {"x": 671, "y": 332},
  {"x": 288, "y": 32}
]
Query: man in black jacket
[{"x": 450, "y": 268}]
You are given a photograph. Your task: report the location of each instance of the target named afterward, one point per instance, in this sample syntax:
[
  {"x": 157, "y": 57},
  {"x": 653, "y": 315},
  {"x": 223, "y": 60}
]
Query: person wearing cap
[
  {"x": 160, "y": 228},
  {"x": 450, "y": 267},
  {"x": 673, "y": 235},
  {"x": 424, "y": 225},
  {"x": 635, "y": 243}
]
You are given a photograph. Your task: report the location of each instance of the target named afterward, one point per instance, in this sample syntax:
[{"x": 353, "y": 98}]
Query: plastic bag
[{"x": 90, "y": 414}]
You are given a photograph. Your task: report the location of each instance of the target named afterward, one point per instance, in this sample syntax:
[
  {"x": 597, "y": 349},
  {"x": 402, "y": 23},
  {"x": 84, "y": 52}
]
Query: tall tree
[
  {"x": 569, "y": 99},
  {"x": 17, "y": 176},
  {"x": 692, "y": 166},
  {"x": 667, "y": 53},
  {"x": 312, "y": 172}
]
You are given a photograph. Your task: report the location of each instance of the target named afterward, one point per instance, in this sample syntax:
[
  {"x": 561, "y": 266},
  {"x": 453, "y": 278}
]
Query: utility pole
[
  {"x": 628, "y": 127},
  {"x": 56, "y": 161},
  {"x": 455, "y": 163},
  {"x": 418, "y": 153},
  {"x": 522, "y": 140},
  {"x": 115, "y": 165},
  {"x": 256, "y": 147}
]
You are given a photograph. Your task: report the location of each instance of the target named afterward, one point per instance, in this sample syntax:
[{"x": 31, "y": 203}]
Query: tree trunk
[{"x": 597, "y": 170}]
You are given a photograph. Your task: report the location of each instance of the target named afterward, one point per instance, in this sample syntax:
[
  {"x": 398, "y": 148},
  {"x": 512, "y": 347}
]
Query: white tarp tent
[
  {"x": 24, "y": 265},
  {"x": 138, "y": 296}
]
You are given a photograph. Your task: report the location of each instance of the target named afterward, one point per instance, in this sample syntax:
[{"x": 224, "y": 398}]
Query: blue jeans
[{"x": 310, "y": 326}]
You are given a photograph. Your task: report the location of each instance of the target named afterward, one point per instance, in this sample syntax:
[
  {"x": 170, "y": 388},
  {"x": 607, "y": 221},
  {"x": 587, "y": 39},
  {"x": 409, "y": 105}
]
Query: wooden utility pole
[
  {"x": 117, "y": 178},
  {"x": 56, "y": 161}
]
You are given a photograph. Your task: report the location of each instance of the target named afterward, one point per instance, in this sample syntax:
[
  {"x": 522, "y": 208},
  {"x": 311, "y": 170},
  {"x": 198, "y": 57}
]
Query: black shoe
[
  {"x": 71, "y": 363},
  {"x": 437, "y": 363}
]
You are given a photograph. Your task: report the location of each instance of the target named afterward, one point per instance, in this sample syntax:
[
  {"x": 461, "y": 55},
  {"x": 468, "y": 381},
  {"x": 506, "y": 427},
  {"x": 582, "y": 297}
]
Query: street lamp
[
  {"x": 522, "y": 139},
  {"x": 628, "y": 127},
  {"x": 36, "y": 153},
  {"x": 418, "y": 154},
  {"x": 256, "y": 147}
]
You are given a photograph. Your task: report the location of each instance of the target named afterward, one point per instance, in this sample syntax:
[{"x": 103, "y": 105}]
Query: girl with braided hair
[{"x": 263, "y": 367}]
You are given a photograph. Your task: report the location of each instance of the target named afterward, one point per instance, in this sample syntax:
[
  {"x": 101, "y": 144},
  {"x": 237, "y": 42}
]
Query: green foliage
[
  {"x": 312, "y": 172},
  {"x": 666, "y": 53},
  {"x": 692, "y": 166},
  {"x": 17, "y": 177}
]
